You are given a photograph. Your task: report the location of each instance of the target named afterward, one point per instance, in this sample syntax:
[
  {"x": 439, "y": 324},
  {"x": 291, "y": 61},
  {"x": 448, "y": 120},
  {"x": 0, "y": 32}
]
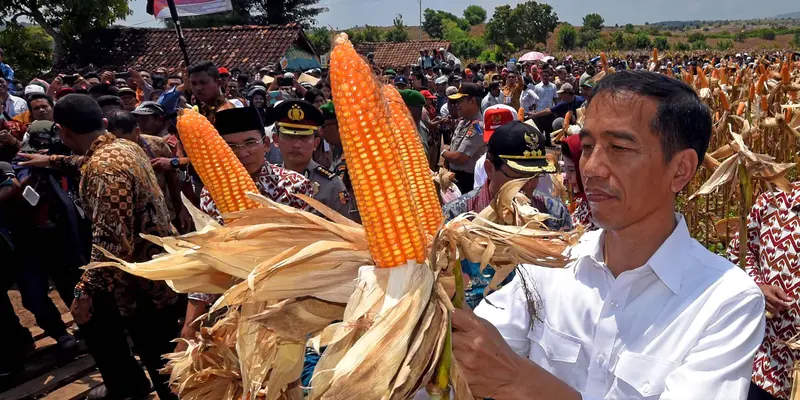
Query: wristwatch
[
  {"x": 175, "y": 162},
  {"x": 79, "y": 293}
]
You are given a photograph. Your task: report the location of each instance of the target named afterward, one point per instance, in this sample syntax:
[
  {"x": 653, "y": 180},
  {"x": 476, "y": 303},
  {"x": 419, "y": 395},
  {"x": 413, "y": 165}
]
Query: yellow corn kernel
[
  {"x": 415, "y": 164},
  {"x": 220, "y": 170},
  {"x": 382, "y": 190}
]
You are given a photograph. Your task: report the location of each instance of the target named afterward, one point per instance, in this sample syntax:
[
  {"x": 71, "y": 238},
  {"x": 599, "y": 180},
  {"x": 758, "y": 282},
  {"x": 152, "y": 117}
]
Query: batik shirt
[
  {"x": 120, "y": 193},
  {"x": 773, "y": 245},
  {"x": 479, "y": 199},
  {"x": 276, "y": 183},
  {"x": 583, "y": 215},
  {"x": 156, "y": 147}
]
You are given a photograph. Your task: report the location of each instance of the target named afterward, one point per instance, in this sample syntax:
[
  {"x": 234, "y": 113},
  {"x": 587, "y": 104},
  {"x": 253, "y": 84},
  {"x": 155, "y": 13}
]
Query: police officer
[
  {"x": 298, "y": 123},
  {"x": 467, "y": 145}
]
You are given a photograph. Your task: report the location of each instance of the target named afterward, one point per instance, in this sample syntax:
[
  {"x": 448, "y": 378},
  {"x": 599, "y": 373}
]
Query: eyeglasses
[{"x": 245, "y": 145}]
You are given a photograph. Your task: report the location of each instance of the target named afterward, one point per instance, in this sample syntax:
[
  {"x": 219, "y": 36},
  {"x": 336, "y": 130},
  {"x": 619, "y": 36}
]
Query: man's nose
[{"x": 595, "y": 164}]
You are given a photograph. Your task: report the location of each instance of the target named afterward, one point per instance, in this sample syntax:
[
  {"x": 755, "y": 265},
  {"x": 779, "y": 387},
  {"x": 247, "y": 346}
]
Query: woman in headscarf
[
  {"x": 571, "y": 156},
  {"x": 257, "y": 98}
]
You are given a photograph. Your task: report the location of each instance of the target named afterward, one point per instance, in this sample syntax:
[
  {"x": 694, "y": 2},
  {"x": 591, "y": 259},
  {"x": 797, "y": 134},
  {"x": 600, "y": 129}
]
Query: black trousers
[
  {"x": 545, "y": 125},
  {"x": 464, "y": 181},
  {"x": 152, "y": 332},
  {"x": 757, "y": 393}
]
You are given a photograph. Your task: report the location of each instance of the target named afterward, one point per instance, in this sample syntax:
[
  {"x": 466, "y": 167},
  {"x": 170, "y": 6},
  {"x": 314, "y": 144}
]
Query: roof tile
[
  {"x": 399, "y": 54},
  {"x": 245, "y": 47}
]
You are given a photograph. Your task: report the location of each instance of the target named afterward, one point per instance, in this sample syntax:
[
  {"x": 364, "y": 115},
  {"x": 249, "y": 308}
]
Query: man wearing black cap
[
  {"x": 298, "y": 123},
  {"x": 467, "y": 145},
  {"x": 243, "y": 130},
  {"x": 516, "y": 150},
  {"x": 128, "y": 97},
  {"x": 401, "y": 82}
]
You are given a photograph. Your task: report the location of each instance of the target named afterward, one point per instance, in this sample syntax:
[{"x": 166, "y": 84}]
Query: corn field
[{"x": 753, "y": 145}]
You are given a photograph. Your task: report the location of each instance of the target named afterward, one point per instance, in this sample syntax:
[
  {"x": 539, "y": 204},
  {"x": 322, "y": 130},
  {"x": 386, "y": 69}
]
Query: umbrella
[{"x": 533, "y": 56}]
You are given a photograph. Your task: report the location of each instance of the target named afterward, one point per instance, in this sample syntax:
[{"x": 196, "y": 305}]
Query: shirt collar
[
  {"x": 668, "y": 261},
  {"x": 312, "y": 165},
  {"x": 101, "y": 141}
]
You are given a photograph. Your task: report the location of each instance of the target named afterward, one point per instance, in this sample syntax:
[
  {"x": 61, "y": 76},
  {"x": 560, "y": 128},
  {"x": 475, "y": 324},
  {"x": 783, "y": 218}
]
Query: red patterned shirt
[
  {"x": 773, "y": 246},
  {"x": 583, "y": 215},
  {"x": 276, "y": 183}
]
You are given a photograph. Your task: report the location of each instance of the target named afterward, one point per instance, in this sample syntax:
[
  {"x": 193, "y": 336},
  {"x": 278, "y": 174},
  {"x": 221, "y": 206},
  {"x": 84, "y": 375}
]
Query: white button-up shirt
[
  {"x": 547, "y": 95},
  {"x": 15, "y": 105},
  {"x": 684, "y": 326}
]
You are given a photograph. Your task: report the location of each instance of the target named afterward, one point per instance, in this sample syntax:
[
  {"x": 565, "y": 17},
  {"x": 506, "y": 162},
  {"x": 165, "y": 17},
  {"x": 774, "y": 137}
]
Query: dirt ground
[{"x": 25, "y": 317}]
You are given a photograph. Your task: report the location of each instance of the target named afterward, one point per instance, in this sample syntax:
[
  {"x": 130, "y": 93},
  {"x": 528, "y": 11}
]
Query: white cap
[
  {"x": 561, "y": 68},
  {"x": 504, "y": 107},
  {"x": 34, "y": 89},
  {"x": 288, "y": 75},
  {"x": 441, "y": 80},
  {"x": 451, "y": 91}
]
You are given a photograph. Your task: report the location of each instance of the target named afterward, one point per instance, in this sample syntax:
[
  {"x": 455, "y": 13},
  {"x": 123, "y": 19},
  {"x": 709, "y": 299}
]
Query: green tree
[
  {"x": 587, "y": 35},
  {"x": 499, "y": 27},
  {"x": 475, "y": 15},
  {"x": 567, "y": 37},
  {"x": 740, "y": 37},
  {"x": 768, "y": 34},
  {"x": 618, "y": 40},
  {"x": 696, "y": 37},
  {"x": 643, "y": 41},
  {"x": 64, "y": 20},
  {"x": 699, "y": 45},
  {"x": 371, "y": 34},
  {"x": 796, "y": 40},
  {"x": 463, "y": 24},
  {"x": 629, "y": 28},
  {"x": 432, "y": 23},
  {"x": 320, "y": 39},
  {"x": 660, "y": 42},
  {"x": 461, "y": 44},
  {"x": 493, "y": 53},
  {"x": 28, "y": 49},
  {"x": 354, "y": 36},
  {"x": 681, "y": 46},
  {"x": 260, "y": 12},
  {"x": 594, "y": 21},
  {"x": 724, "y": 45},
  {"x": 597, "y": 45},
  {"x": 533, "y": 22},
  {"x": 399, "y": 33},
  {"x": 629, "y": 42}
]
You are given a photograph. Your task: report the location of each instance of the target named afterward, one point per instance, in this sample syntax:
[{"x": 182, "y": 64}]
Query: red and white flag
[{"x": 188, "y": 8}]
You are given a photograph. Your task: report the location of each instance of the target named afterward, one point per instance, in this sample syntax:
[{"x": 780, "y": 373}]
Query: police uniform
[
  {"x": 467, "y": 139},
  {"x": 301, "y": 118}
]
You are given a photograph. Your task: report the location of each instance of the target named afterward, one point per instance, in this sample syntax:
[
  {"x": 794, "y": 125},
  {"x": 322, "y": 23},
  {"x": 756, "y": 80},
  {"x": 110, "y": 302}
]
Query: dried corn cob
[
  {"x": 567, "y": 119},
  {"x": 751, "y": 94},
  {"x": 723, "y": 101},
  {"x": 415, "y": 164},
  {"x": 740, "y": 108},
  {"x": 785, "y": 73},
  {"x": 521, "y": 114},
  {"x": 723, "y": 76},
  {"x": 393, "y": 231},
  {"x": 222, "y": 173},
  {"x": 702, "y": 80},
  {"x": 604, "y": 61}
]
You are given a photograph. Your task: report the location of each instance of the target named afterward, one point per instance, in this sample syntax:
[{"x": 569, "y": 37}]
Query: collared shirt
[
  {"x": 490, "y": 100},
  {"x": 210, "y": 111},
  {"x": 529, "y": 99},
  {"x": 276, "y": 183},
  {"x": 683, "y": 326},
  {"x": 773, "y": 258},
  {"x": 330, "y": 189},
  {"x": 547, "y": 95},
  {"x": 156, "y": 147},
  {"x": 512, "y": 94},
  {"x": 7, "y": 71},
  {"x": 120, "y": 193},
  {"x": 15, "y": 105},
  {"x": 468, "y": 139}
]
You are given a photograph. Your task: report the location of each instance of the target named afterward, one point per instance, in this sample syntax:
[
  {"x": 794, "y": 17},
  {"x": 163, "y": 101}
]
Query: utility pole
[{"x": 420, "y": 19}]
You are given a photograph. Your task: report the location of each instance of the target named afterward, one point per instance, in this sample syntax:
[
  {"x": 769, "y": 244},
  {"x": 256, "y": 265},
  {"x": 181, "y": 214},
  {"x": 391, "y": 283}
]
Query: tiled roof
[
  {"x": 245, "y": 47},
  {"x": 398, "y": 54}
]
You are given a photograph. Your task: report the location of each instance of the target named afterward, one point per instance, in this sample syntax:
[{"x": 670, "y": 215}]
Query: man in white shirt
[
  {"x": 643, "y": 311},
  {"x": 14, "y": 105},
  {"x": 494, "y": 97}
]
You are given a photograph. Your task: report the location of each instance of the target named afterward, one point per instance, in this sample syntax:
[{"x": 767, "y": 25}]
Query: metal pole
[
  {"x": 173, "y": 11},
  {"x": 420, "y": 19}
]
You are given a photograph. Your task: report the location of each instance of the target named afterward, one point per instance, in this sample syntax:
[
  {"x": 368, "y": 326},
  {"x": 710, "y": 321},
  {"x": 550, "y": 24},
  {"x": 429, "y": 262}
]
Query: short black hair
[
  {"x": 91, "y": 75},
  {"x": 175, "y": 77},
  {"x": 311, "y": 95},
  {"x": 103, "y": 89},
  {"x": 121, "y": 120},
  {"x": 38, "y": 96},
  {"x": 79, "y": 113},
  {"x": 109, "y": 100},
  {"x": 682, "y": 121},
  {"x": 494, "y": 85},
  {"x": 205, "y": 66}
]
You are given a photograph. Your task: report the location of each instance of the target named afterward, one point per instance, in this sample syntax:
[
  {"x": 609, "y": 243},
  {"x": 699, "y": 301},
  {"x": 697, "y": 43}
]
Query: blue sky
[{"x": 348, "y": 13}]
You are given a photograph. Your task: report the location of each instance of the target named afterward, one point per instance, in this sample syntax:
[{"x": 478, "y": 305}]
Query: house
[
  {"x": 247, "y": 48},
  {"x": 400, "y": 54}
]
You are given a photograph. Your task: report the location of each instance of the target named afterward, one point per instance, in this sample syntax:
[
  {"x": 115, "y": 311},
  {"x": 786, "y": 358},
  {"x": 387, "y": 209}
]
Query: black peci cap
[{"x": 521, "y": 147}]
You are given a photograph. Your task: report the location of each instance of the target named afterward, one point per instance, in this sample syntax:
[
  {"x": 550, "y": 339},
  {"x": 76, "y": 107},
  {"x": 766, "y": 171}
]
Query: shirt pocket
[
  {"x": 644, "y": 374},
  {"x": 557, "y": 346}
]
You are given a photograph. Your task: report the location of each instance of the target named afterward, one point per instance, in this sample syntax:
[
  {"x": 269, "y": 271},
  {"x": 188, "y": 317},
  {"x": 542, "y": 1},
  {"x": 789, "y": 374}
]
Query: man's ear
[{"x": 683, "y": 167}]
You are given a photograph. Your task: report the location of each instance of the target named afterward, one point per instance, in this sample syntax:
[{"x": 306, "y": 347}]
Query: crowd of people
[{"x": 95, "y": 160}]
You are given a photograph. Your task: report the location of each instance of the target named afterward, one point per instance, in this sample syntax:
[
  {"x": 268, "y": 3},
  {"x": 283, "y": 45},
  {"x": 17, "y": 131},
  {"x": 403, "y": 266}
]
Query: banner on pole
[{"x": 189, "y": 8}]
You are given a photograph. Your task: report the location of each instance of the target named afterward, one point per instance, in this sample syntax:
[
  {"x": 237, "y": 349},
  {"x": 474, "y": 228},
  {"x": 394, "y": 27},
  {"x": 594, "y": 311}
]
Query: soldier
[{"x": 298, "y": 123}]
